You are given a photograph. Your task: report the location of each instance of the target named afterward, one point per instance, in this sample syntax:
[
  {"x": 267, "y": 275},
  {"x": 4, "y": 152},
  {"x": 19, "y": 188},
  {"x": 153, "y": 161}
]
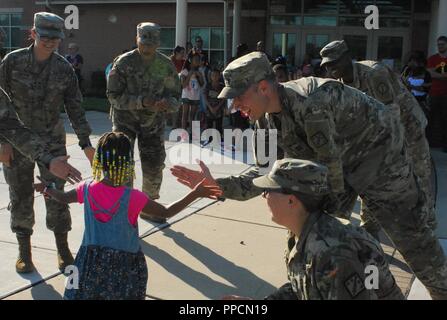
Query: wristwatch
[{"x": 52, "y": 185}]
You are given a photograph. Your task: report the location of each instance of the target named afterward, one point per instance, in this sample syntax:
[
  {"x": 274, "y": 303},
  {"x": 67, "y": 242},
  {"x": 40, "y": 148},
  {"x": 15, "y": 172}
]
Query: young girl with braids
[{"x": 110, "y": 262}]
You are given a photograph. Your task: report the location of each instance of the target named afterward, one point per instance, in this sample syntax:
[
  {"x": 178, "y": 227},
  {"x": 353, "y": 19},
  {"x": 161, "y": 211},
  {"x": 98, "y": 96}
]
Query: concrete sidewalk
[{"x": 209, "y": 250}]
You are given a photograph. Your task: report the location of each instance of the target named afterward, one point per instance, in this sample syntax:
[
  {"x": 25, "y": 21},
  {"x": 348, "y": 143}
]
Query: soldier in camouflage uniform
[
  {"x": 39, "y": 81},
  {"x": 356, "y": 137},
  {"x": 381, "y": 83},
  {"x": 143, "y": 86},
  {"x": 326, "y": 259},
  {"x": 29, "y": 144}
]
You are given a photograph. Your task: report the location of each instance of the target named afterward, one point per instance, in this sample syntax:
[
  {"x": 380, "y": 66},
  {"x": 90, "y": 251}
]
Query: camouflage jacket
[
  {"x": 330, "y": 261},
  {"x": 130, "y": 81},
  {"x": 39, "y": 91},
  {"x": 380, "y": 82},
  {"x": 327, "y": 122},
  {"x": 13, "y": 131}
]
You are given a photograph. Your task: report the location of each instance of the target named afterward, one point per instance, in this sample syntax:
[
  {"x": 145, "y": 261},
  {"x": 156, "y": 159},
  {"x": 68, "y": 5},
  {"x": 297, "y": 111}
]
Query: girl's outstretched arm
[
  {"x": 153, "y": 208},
  {"x": 49, "y": 191}
]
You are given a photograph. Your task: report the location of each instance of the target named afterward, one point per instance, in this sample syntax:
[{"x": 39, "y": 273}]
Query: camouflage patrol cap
[
  {"x": 49, "y": 25},
  {"x": 148, "y": 33},
  {"x": 333, "y": 51},
  {"x": 240, "y": 74},
  {"x": 301, "y": 176}
]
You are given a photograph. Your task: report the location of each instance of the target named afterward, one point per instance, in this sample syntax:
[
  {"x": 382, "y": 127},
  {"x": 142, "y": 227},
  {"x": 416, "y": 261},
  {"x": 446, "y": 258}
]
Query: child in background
[
  {"x": 110, "y": 262},
  {"x": 192, "y": 81},
  {"x": 214, "y": 106},
  {"x": 281, "y": 73},
  {"x": 206, "y": 71},
  {"x": 178, "y": 58},
  {"x": 418, "y": 80}
]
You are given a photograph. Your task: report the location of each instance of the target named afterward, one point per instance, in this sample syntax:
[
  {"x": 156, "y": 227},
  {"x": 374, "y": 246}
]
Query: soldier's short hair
[{"x": 312, "y": 203}]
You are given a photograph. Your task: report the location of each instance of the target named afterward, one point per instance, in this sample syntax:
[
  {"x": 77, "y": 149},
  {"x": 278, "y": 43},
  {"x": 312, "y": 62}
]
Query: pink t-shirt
[{"x": 107, "y": 196}]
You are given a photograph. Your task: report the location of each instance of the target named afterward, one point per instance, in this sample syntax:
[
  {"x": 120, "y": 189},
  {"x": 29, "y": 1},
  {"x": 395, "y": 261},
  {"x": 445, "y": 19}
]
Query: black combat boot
[{"x": 24, "y": 262}]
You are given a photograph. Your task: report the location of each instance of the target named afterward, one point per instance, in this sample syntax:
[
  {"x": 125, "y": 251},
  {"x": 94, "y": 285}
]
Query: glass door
[
  {"x": 312, "y": 43},
  {"x": 284, "y": 42},
  {"x": 359, "y": 41},
  {"x": 390, "y": 47}
]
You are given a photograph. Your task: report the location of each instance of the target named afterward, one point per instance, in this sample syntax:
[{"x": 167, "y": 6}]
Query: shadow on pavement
[
  {"x": 244, "y": 282},
  {"x": 41, "y": 290}
]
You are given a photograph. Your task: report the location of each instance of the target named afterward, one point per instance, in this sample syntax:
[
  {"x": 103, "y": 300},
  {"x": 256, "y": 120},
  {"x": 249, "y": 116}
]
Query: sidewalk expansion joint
[
  {"x": 243, "y": 221},
  {"x": 34, "y": 247}
]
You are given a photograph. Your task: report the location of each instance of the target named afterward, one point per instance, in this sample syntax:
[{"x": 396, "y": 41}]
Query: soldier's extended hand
[
  {"x": 62, "y": 169},
  {"x": 192, "y": 178},
  {"x": 6, "y": 154},
  {"x": 203, "y": 190},
  {"x": 90, "y": 154}
]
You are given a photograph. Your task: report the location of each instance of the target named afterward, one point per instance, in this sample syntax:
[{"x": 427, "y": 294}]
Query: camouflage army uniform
[
  {"x": 38, "y": 91},
  {"x": 14, "y": 132},
  {"x": 128, "y": 83},
  {"x": 329, "y": 260},
  {"x": 380, "y": 82},
  {"x": 361, "y": 142}
]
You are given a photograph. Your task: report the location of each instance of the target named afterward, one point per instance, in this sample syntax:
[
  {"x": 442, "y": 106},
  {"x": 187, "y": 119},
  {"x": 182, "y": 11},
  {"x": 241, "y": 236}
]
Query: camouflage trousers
[
  {"x": 396, "y": 201},
  {"x": 20, "y": 178},
  {"x": 150, "y": 144}
]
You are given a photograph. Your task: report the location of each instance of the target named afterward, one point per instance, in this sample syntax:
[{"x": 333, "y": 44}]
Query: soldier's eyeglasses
[
  {"x": 265, "y": 193},
  {"x": 48, "y": 39}
]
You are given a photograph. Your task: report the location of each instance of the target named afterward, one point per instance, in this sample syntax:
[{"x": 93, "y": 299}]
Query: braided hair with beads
[{"x": 114, "y": 159}]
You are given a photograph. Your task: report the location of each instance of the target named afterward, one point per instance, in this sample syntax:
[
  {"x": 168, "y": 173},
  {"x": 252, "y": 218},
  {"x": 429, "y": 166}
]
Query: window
[
  {"x": 358, "y": 45},
  {"x": 285, "y": 20},
  {"x": 13, "y": 31},
  {"x": 254, "y": 5},
  {"x": 390, "y": 51},
  {"x": 422, "y": 6},
  {"x": 213, "y": 43},
  {"x": 284, "y": 44},
  {"x": 285, "y": 6},
  {"x": 320, "y": 7},
  {"x": 354, "y": 6},
  {"x": 167, "y": 41},
  {"x": 395, "y": 7},
  {"x": 320, "y": 21},
  {"x": 314, "y": 44}
]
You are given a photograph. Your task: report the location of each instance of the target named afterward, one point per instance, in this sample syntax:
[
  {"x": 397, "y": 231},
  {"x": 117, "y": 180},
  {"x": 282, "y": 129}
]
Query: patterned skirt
[{"x": 108, "y": 274}]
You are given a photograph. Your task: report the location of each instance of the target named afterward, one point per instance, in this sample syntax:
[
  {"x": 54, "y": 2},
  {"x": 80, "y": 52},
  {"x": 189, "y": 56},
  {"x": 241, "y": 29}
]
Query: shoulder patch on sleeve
[
  {"x": 319, "y": 139},
  {"x": 354, "y": 285}
]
